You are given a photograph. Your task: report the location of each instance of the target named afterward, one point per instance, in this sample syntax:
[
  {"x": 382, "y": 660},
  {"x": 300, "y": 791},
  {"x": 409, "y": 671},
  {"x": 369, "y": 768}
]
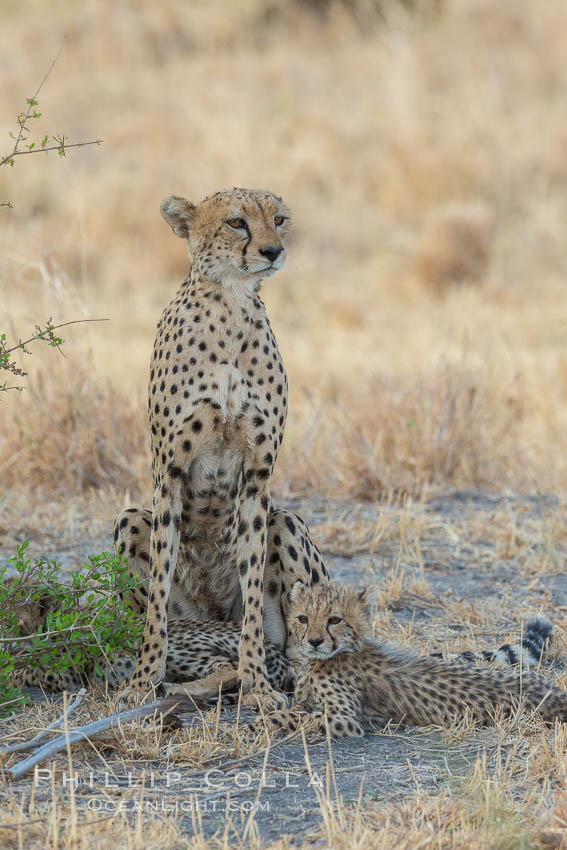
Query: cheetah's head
[
  {"x": 327, "y": 619},
  {"x": 233, "y": 235}
]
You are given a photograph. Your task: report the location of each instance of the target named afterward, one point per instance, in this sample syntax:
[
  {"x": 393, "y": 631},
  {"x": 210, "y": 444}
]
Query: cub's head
[
  {"x": 327, "y": 619},
  {"x": 235, "y": 234}
]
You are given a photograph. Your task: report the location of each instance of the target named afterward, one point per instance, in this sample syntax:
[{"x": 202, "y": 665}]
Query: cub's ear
[
  {"x": 179, "y": 214},
  {"x": 365, "y": 600},
  {"x": 297, "y": 591}
]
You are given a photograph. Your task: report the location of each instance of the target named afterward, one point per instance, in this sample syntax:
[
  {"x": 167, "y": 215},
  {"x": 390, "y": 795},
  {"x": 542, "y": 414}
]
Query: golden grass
[
  {"x": 440, "y": 822},
  {"x": 501, "y": 803},
  {"x": 65, "y": 818},
  {"x": 421, "y": 315}
]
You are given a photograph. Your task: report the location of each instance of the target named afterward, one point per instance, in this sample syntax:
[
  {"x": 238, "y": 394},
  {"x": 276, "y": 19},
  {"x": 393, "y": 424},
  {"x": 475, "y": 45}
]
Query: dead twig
[
  {"x": 91, "y": 730},
  {"x": 29, "y": 745}
]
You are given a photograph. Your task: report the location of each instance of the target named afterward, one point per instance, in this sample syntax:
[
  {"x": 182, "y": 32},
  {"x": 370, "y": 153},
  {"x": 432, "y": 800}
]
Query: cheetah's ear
[
  {"x": 179, "y": 213},
  {"x": 365, "y": 600},
  {"x": 297, "y": 590}
]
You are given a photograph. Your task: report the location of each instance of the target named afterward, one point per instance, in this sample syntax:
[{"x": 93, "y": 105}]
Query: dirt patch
[{"x": 461, "y": 570}]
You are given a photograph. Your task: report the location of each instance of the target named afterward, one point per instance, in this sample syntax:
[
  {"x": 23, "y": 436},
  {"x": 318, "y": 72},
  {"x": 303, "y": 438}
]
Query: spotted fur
[
  {"x": 217, "y": 410},
  {"x": 196, "y": 649},
  {"x": 344, "y": 675}
]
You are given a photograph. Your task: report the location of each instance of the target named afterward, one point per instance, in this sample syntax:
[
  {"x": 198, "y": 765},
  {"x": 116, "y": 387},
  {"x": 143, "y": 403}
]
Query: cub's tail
[{"x": 528, "y": 652}]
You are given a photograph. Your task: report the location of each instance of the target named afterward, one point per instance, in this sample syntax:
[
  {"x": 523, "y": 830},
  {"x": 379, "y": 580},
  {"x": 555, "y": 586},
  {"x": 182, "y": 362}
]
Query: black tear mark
[{"x": 245, "y": 248}]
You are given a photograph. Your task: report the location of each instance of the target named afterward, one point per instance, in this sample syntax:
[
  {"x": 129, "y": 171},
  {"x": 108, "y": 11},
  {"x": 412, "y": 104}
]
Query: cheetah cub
[{"x": 345, "y": 673}]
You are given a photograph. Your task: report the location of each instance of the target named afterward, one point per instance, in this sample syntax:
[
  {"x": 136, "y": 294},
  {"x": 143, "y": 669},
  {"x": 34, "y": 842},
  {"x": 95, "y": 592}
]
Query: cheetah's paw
[
  {"x": 135, "y": 694},
  {"x": 265, "y": 700}
]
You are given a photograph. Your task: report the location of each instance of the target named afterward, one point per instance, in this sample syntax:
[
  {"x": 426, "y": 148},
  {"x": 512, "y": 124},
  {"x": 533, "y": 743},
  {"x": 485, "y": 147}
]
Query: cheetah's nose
[
  {"x": 315, "y": 642},
  {"x": 271, "y": 252}
]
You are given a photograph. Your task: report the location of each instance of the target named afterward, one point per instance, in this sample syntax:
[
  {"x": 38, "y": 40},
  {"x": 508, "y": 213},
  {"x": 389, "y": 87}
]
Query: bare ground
[{"x": 462, "y": 569}]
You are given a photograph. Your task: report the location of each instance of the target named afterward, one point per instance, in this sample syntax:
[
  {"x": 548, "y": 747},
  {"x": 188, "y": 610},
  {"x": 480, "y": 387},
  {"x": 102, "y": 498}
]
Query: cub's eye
[
  {"x": 237, "y": 223},
  {"x": 334, "y": 620},
  {"x": 279, "y": 220},
  {"x": 303, "y": 619}
]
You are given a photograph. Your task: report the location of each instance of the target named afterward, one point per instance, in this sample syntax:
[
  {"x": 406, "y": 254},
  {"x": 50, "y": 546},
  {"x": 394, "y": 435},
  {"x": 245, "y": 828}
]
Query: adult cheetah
[
  {"x": 202, "y": 655},
  {"x": 217, "y": 409}
]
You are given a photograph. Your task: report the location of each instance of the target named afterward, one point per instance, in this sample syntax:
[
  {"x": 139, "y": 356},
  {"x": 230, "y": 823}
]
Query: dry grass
[
  {"x": 501, "y": 787},
  {"x": 421, "y": 318},
  {"x": 113, "y": 772},
  {"x": 440, "y": 822},
  {"x": 454, "y": 246},
  {"x": 413, "y": 158},
  {"x": 86, "y": 438},
  {"x": 500, "y": 803}
]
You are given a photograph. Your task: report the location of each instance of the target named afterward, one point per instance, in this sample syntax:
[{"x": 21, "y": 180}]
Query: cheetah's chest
[
  {"x": 217, "y": 384},
  {"x": 212, "y": 496}
]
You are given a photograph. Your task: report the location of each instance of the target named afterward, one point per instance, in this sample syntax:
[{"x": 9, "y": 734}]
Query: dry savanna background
[{"x": 421, "y": 315}]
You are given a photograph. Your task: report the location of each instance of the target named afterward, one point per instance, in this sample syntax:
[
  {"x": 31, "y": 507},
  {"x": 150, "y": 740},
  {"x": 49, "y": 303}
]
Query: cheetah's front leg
[
  {"x": 164, "y": 546},
  {"x": 252, "y": 546}
]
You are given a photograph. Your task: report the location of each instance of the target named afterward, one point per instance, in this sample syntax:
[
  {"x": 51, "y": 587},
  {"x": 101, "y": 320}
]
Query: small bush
[{"x": 58, "y": 626}]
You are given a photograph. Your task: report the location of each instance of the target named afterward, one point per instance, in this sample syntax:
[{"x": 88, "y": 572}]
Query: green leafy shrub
[{"x": 59, "y": 626}]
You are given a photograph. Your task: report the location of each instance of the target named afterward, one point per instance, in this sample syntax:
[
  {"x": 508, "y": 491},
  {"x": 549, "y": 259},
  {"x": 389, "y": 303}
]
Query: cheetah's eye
[
  {"x": 279, "y": 220},
  {"x": 334, "y": 620},
  {"x": 303, "y": 619},
  {"x": 237, "y": 223}
]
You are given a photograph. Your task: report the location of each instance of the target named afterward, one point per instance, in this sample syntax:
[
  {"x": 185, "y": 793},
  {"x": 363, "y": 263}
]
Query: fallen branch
[
  {"x": 29, "y": 745},
  {"x": 164, "y": 706}
]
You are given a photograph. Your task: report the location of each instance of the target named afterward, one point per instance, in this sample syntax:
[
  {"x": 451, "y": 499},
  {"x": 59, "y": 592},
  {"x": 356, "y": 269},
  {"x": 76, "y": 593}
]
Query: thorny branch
[
  {"x": 61, "y": 147},
  {"x": 23, "y": 131},
  {"x": 47, "y": 334},
  {"x": 31, "y": 100},
  {"x": 49, "y": 327}
]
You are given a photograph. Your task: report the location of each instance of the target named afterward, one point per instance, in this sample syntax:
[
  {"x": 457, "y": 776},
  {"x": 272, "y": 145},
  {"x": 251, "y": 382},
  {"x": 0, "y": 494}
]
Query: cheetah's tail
[
  {"x": 528, "y": 652},
  {"x": 530, "y": 649}
]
